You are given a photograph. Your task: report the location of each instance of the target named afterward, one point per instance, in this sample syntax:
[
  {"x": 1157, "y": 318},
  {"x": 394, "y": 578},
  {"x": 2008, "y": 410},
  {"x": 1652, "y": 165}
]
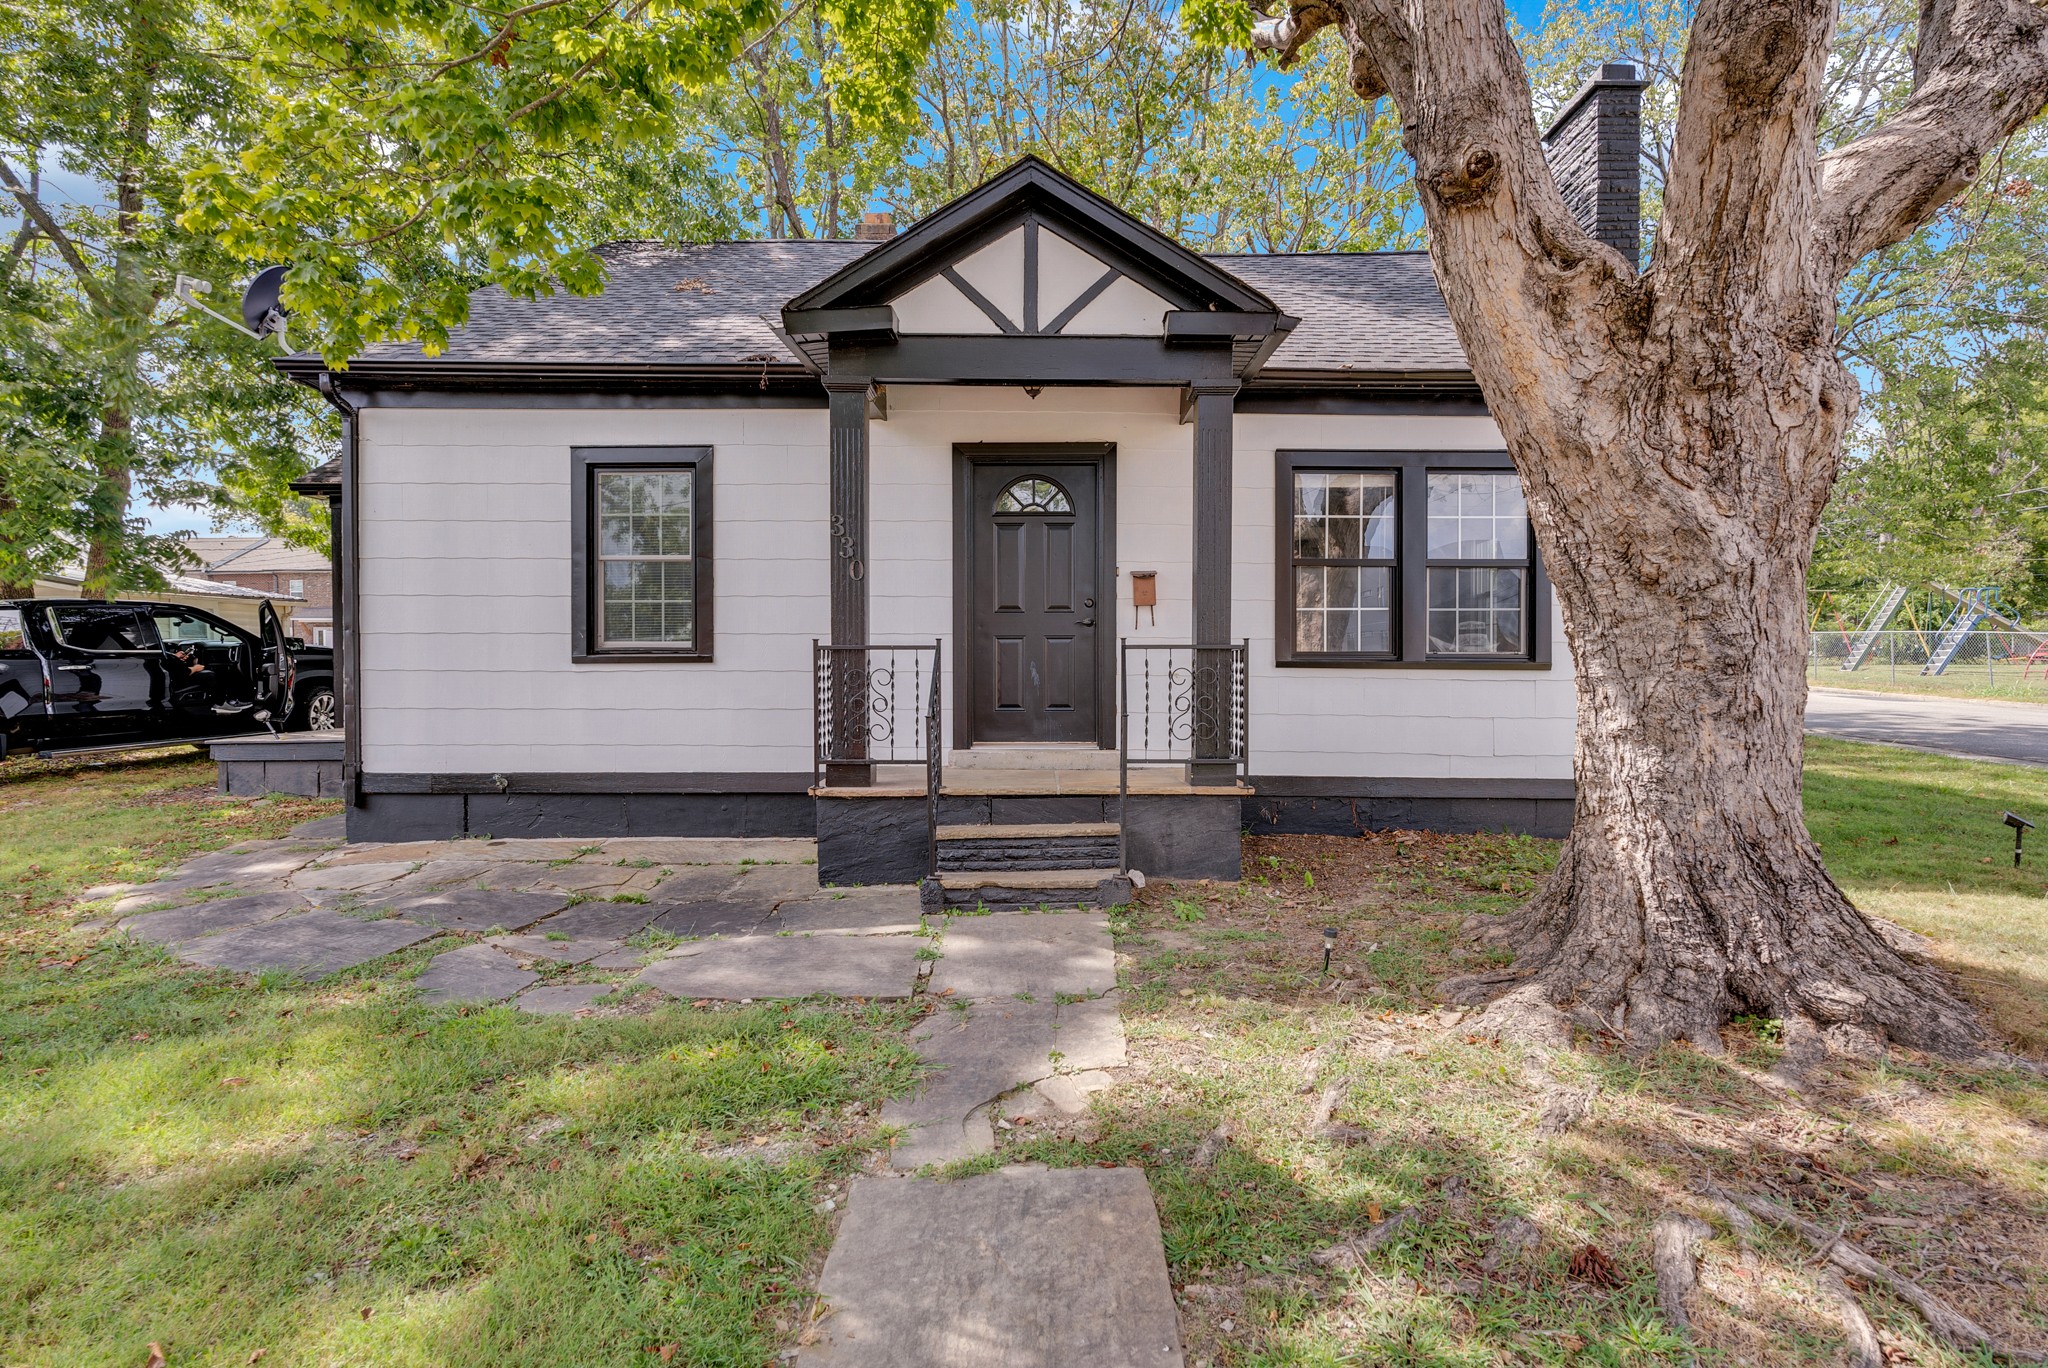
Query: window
[
  {"x": 642, "y": 557},
  {"x": 1033, "y": 495},
  {"x": 102, "y": 627},
  {"x": 295, "y": 586},
  {"x": 1406, "y": 558},
  {"x": 1478, "y": 564},
  {"x": 177, "y": 628},
  {"x": 1343, "y": 561}
]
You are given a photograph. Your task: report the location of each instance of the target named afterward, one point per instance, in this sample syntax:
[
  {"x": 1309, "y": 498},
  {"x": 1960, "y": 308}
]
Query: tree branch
[
  {"x": 48, "y": 226},
  {"x": 504, "y": 33},
  {"x": 1980, "y": 73}
]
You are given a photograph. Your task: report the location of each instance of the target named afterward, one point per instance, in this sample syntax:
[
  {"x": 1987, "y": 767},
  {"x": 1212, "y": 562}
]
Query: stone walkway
[{"x": 1027, "y": 1267}]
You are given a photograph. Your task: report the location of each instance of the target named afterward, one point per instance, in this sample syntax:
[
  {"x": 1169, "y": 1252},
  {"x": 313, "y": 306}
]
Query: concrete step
[
  {"x": 1028, "y": 757},
  {"x": 1002, "y": 890}
]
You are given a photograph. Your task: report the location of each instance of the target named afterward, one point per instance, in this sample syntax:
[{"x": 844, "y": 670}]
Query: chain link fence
[{"x": 1997, "y": 658}]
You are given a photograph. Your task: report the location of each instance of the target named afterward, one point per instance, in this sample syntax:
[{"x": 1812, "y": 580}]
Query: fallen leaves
[{"x": 1591, "y": 1266}]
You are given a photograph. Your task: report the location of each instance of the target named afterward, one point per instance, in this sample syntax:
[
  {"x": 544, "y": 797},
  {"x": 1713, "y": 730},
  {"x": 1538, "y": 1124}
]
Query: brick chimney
[
  {"x": 875, "y": 227},
  {"x": 1595, "y": 148}
]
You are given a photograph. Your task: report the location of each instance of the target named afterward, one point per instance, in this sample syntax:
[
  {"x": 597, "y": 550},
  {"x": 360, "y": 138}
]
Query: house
[
  {"x": 224, "y": 600},
  {"x": 1027, "y": 515},
  {"x": 278, "y": 570}
]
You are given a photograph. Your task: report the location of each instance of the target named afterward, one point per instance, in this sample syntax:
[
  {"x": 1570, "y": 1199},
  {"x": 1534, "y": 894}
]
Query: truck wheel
[{"x": 318, "y": 709}]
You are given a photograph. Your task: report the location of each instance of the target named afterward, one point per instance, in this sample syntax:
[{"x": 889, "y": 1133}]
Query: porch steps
[
  {"x": 1014, "y": 887},
  {"x": 1036, "y": 846}
]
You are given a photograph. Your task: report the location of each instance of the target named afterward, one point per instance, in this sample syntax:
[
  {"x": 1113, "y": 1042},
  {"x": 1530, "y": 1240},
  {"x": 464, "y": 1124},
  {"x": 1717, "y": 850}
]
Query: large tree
[{"x": 1678, "y": 428}]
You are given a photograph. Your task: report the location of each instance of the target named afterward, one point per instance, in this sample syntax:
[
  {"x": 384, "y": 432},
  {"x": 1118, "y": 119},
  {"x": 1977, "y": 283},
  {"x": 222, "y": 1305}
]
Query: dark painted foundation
[
  {"x": 884, "y": 840},
  {"x": 444, "y": 816}
]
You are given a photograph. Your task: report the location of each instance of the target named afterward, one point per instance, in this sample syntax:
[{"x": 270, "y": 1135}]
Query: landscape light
[
  {"x": 1329, "y": 944},
  {"x": 2020, "y": 827}
]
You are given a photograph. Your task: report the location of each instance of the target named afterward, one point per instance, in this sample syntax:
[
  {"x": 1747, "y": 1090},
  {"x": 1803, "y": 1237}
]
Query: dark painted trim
[
  {"x": 441, "y": 374},
  {"x": 1321, "y": 786},
  {"x": 1256, "y": 398},
  {"x": 966, "y": 455},
  {"x": 584, "y": 465},
  {"x": 979, "y": 300},
  {"x": 1354, "y": 815},
  {"x": 601, "y": 781},
  {"x": 1187, "y": 326},
  {"x": 518, "y": 394},
  {"x": 1411, "y": 623},
  {"x": 1030, "y": 185},
  {"x": 1030, "y": 319},
  {"x": 878, "y": 320},
  {"x": 1020, "y": 360},
  {"x": 1083, "y": 300},
  {"x": 347, "y": 571}
]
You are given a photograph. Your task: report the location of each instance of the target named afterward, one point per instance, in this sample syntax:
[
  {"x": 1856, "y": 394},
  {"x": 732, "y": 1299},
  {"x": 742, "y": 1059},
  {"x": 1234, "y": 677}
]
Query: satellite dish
[{"x": 262, "y": 313}]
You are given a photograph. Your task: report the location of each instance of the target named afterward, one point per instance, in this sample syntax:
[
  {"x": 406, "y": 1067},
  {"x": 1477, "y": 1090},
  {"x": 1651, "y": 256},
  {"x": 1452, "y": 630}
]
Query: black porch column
[
  {"x": 1215, "y": 406},
  {"x": 849, "y": 531}
]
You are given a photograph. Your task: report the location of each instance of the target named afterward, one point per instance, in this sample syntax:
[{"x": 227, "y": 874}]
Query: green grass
[
  {"x": 1919, "y": 1162},
  {"x": 2002, "y": 681},
  {"x": 331, "y": 1174}
]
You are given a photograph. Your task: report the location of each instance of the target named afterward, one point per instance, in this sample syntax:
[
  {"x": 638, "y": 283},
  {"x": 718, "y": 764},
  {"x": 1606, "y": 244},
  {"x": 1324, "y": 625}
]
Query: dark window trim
[
  {"x": 1411, "y": 579},
  {"x": 584, "y": 465}
]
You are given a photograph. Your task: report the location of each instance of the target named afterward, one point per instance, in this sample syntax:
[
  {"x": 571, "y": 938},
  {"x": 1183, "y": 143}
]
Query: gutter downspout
[{"x": 350, "y": 671}]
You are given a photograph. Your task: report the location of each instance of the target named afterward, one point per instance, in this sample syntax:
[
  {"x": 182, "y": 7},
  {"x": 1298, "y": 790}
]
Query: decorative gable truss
[
  {"x": 1021, "y": 276},
  {"x": 1032, "y": 281}
]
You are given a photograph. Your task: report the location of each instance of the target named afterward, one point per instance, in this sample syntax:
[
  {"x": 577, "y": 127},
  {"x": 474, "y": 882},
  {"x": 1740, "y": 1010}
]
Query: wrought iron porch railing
[
  {"x": 1180, "y": 705},
  {"x": 879, "y": 705}
]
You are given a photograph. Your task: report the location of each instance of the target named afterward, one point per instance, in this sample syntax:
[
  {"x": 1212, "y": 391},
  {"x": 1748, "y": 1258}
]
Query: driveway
[{"x": 1977, "y": 729}]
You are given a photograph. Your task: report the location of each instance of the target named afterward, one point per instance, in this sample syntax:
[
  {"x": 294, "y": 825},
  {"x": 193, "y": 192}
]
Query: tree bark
[{"x": 1678, "y": 432}]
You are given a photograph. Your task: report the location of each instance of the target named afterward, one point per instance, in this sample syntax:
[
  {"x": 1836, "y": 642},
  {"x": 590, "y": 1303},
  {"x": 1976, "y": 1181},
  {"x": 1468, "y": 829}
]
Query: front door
[{"x": 1035, "y": 558}]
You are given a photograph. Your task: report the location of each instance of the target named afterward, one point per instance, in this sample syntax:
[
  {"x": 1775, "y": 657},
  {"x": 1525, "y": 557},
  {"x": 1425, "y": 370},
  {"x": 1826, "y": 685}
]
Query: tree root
[
  {"x": 1674, "y": 1254},
  {"x": 1949, "y": 1325},
  {"x": 1864, "y": 1350}
]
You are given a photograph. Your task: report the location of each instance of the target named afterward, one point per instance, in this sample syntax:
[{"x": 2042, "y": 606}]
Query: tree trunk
[
  {"x": 1678, "y": 430},
  {"x": 1689, "y": 889}
]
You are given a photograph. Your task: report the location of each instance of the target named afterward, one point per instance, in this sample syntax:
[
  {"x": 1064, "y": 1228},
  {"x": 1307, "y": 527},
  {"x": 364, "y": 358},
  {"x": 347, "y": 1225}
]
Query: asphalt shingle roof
[
  {"x": 714, "y": 303},
  {"x": 1367, "y": 311}
]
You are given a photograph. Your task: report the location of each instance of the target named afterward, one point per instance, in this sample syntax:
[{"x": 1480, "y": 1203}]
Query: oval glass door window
[{"x": 1033, "y": 494}]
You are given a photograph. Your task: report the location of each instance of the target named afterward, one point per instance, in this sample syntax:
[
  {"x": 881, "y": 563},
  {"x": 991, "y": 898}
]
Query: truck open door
[{"x": 274, "y": 672}]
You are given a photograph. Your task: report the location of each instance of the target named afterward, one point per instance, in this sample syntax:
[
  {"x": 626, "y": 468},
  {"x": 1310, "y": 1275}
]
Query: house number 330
[{"x": 847, "y": 549}]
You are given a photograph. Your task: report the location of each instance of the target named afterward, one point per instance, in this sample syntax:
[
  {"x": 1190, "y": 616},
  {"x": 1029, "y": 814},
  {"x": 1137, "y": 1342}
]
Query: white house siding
[
  {"x": 464, "y": 597},
  {"x": 1366, "y": 723},
  {"x": 1382, "y": 723},
  {"x": 465, "y": 588}
]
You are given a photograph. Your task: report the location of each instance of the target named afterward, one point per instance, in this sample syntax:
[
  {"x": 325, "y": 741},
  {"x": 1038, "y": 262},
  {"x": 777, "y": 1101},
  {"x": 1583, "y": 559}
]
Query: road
[{"x": 2016, "y": 733}]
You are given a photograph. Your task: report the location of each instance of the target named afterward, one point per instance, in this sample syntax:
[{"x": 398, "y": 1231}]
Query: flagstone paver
[
  {"x": 473, "y": 973},
  {"x": 689, "y": 883},
  {"x": 193, "y": 920},
  {"x": 851, "y": 912},
  {"x": 601, "y": 880},
  {"x": 718, "y": 850},
  {"x": 476, "y": 911},
  {"x": 1044, "y": 953},
  {"x": 532, "y": 946},
  {"x": 772, "y": 884},
  {"x": 709, "y": 918},
  {"x": 354, "y": 877},
  {"x": 310, "y": 944},
  {"x": 791, "y": 967},
  {"x": 561, "y": 1000},
  {"x": 600, "y": 920},
  {"x": 1026, "y": 1267}
]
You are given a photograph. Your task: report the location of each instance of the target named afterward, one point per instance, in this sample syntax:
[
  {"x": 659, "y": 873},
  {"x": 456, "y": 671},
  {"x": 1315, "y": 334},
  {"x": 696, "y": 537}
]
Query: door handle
[{"x": 1085, "y": 622}]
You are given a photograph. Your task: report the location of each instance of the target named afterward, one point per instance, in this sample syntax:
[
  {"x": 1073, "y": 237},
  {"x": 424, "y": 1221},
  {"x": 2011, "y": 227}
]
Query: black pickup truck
[{"x": 84, "y": 675}]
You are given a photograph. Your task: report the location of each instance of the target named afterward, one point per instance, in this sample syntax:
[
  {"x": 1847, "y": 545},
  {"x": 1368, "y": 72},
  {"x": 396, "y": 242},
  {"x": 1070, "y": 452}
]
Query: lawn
[
  {"x": 2005, "y": 681},
  {"x": 255, "y": 1171},
  {"x": 252, "y": 1171}
]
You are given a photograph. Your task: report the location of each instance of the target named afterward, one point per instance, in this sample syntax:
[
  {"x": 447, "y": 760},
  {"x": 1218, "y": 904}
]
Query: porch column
[
  {"x": 849, "y": 540},
  {"x": 1215, "y": 405}
]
